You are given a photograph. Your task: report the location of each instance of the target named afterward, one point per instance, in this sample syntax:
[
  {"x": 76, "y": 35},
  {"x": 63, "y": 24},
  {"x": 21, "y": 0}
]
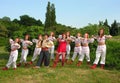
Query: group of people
[{"x": 45, "y": 49}]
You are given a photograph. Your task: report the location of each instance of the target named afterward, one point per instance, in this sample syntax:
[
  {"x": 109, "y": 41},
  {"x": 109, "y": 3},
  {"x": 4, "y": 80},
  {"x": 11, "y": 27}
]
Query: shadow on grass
[{"x": 4, "y": 56}]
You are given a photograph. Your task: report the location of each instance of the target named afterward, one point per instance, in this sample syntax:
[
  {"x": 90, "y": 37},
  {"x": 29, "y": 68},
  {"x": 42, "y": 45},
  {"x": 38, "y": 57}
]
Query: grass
[{"x": 66, "y": 74}]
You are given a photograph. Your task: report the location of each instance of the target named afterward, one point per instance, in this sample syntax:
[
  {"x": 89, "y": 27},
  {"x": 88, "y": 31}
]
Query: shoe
[
  {"x": 14, "y": 68},
  {"x": 102, "y": 66},
  {"x": 26, "y": 64},
  {"x": 88, "y": 63},
  {"x": 30, "y": 63},
  {"x": 70, "y": 62},
  {"x": 54, "y": 64},
  {"x": 79, "y": 63},
  {"x": 19, "y": 64},
  {"x": 94, "y": 66},
  {"x": 5, "y": 68},
  {"x": 36, "y": 67}
]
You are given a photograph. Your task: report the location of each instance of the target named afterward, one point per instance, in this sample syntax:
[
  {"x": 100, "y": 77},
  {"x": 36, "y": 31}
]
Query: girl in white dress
[
  {"x": 101, "y": 49},
  {"x": 13, "y": 54}
]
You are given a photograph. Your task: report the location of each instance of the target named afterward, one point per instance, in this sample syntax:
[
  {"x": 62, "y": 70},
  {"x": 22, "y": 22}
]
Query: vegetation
[{"x": 70, "y": 73}]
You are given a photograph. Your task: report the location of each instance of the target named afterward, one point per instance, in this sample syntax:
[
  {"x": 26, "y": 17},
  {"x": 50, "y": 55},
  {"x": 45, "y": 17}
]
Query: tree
[
  {"x": 3, "y": 31},
  {"x": 53, "y": 16},
  {"x": 50, "y": 20},
  {"x": 47, "y": 20},
  {"x": 114, "y": 29},
  {"x": 5, "y": 18},
  {"x": 29, "y": 21}
]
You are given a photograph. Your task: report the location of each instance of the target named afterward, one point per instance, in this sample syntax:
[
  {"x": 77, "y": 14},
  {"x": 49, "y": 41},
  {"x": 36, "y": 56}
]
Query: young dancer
[
  {"x": 101, "y": 49},
  {"x": 13, "y": 54},
  {"x": 85, "y": 49},
  {"x": 25, "y": 44},
  {"x": 37, "y": 48},
  {"x": 44, "y": 54},
  {"x": 61, "y": 50},
  {"x": 68, "y": 47},
  {"x": 52, "y": 38},
  {"x": 77, "y": 48}
]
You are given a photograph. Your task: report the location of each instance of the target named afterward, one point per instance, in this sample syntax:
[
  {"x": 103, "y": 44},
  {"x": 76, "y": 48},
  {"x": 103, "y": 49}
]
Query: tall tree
[
  {"x": 53, "y": 16},
  {"x": 50, "y": 20},
  {"x": 114, "y": 29},
  {"x": 47, "y": 20}
]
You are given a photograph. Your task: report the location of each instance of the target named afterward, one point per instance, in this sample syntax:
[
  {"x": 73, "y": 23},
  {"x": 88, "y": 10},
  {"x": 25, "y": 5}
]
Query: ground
[{"x": 66, "y": 74}]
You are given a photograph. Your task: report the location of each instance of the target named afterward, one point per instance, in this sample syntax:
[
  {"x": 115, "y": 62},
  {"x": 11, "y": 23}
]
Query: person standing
[
  {"x": 101, "y": 49},
  {"x": 44, "y": 54},
  {"x": 52, "y": 38},
  {"x": 85, "y": 49},
  {"x": 37, "y": 48},
  {"x": 68, "y": 47},
  {"x": 25, "y": 44},
  {"x": 13, "y": 54},
  {"x": 61, "y": 50},
  {"x": 77, "y": 48}
]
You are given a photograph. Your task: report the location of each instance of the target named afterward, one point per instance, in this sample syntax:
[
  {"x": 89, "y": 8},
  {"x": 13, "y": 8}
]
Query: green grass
[{"x": 66, "y": 74}]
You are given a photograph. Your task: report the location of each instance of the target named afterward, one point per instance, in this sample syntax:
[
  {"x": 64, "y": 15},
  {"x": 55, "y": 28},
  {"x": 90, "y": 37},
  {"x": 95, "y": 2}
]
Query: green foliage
[
  {"x": 29, "y": 21},
  {"x": 50, "y": 20},
  {"x": 3, "y": 31},
  {"x": 115, "y": 29}
]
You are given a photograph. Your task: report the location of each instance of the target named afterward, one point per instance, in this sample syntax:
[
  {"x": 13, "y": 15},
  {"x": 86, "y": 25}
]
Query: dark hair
[
  {"x": 53, "y": 34},
  {"x": 100, "y": 30},
  {"x": 28, "y": 36},
  {"x": 46, "y": 35}
]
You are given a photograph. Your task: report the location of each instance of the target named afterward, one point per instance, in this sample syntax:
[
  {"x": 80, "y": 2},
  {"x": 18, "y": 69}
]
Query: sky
[{"x": 75, "y": 13}]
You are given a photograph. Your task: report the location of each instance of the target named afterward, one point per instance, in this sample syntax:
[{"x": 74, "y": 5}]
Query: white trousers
[
  {"x": 77, "y": 50},
  {"x": 100, "y": 52},
  {"x": 12, "y": 59},
  {"x": 68, "y": 48},
  {"x": 24, "y": 55},
  {"x": 85, "y": 52},
  {"x": 36, "y": 53},
  {"x": 51, "y": 50}
]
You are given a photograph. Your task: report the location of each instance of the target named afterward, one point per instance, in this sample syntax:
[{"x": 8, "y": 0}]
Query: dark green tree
[
  {"x": 29, "y": 21},
  {"x": 114, "y": 29},
  {"x": 48, "y": 18},
  {"x": 5, "y": 18},
  {"x": 53, "y": 15}
]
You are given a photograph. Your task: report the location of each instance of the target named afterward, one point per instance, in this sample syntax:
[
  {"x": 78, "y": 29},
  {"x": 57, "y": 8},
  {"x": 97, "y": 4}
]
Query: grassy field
[{"x": 66, "y": 74}]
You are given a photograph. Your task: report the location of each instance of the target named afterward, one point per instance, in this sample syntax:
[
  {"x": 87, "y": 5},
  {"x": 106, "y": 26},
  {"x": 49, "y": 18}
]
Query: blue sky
[{"x": 75, "y": 13}]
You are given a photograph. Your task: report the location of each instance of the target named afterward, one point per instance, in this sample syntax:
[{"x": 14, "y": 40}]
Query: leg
[
  {"x": 63, "y": 58},
  {"x": 88, "y": 56},
  {"x": 15, "y": 59},
  {"x": 36, "y": 53},
  {"x": 68, "y": 48},
  {"x": 98, "y": 54},
  {"x": 52, "y": 52},
  {"x": 103, "y": 57},
  {"x": 47, "y": 58},
  {"x": 56, "y": 60},
  {"x": 81, "y": 58},
  {"x": 40, "y": 59},
  {"x": 9, "y": 61},
  {"x": 74, "y": 56}
]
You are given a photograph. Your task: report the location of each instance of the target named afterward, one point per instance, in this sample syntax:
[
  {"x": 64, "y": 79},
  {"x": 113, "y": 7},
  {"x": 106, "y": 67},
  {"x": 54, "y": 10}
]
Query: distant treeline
[{"x": 29, "y": 25}]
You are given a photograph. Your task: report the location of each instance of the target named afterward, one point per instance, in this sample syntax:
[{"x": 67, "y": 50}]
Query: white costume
[
  {"x": 25, "y": 44},
  {"x": 13, "y": 54},
  {"x": 85, "y": 49},
  {"x": 37, "y": 49},
  {"x": 101, "y": 50},
  {"x": 68, "y": 47},
  {"x": 51, "y": 50},
  {"x": 77, "y": 48}
]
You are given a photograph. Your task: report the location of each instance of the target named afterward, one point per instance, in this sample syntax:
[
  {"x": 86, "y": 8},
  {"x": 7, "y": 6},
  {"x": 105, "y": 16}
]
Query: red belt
[{"x": 45, "y": 49}]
